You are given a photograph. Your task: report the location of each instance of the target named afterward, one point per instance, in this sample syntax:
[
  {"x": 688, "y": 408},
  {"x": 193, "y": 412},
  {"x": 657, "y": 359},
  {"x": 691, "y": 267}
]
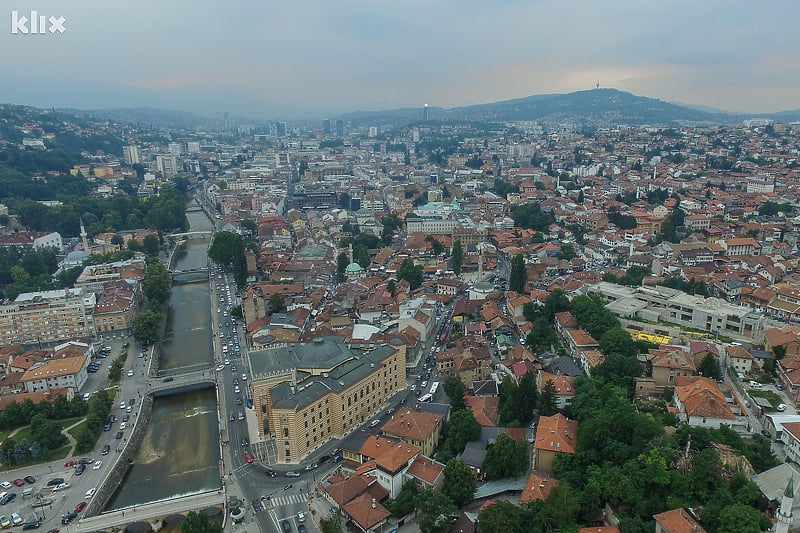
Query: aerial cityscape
[{"x": 343, "y": 269}]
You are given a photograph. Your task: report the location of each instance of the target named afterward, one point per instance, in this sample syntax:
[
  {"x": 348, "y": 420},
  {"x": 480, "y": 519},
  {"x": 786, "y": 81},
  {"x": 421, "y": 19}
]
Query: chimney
[{"x": 373, "y": 503}]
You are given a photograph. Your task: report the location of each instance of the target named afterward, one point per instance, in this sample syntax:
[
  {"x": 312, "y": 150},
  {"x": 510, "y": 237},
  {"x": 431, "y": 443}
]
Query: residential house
[
  {"x": 787, "y": 337},
  {"x": 701, "y": 402},
  {"x": 554, "y": 434},
  {"x": 667, "y": 363},
  {"x": 677, "y": 521},
  {"x": 420, "y": 428},
  {"x": 740, "y": 359},
  {"x": 426, "y": 473},
  {"x": 538, "y": 487},
  {"x": 57, "y": 373},
  {"x": 563, "y": 386}
]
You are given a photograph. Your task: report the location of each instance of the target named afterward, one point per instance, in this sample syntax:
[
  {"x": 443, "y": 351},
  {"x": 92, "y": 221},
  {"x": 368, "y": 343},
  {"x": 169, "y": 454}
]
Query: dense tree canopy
[{"x": 410, "y": 272}]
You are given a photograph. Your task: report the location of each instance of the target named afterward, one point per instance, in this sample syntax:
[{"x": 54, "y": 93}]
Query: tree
[
  {"x": 156, "y": 282},
  {"x": 198, "y": 522},
  {"x": 331, "y": 525},
  {"x": 519, "y": 275},
  {"x": 147, "y": 325},
  {"x": 459, "y": 483},
  {"x": 436, "y": 247},
  {"x": 527, "y": 397},
  {"x": 47, "y": 433},
  {"x": 277, "y": 303},
  {"x": 457, "y": 257},
  {"x": 566, "y": 252},
  {"x": 150, "y": 245},
  {"x": 435, "y": 512},
  {"x": 406, "y": 501},
  {"x": 561, "y": 506},
  {"x": 547, "y": 399},
  {"x": 250, "y": 225},
  {"x": 454, "y": 388},
  {"x": 410, "y": 272},
  {"x": 341, "y": 266},
  {"x": 709, "y": 367},
  {"x": 617, "y": 340},
  {"x": 461, "y": 429},
  {"x": 501, "y": 516},
  {"x": 506, "y": 458},
  {"x": 739, "y": 518}
]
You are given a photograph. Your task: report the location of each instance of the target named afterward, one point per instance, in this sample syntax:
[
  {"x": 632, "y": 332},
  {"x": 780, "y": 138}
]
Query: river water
[{"x": 179, "y": 454}]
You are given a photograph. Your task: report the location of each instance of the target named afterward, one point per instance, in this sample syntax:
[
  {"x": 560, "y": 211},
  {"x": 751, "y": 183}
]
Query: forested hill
[{"x": 65, "y": 141}]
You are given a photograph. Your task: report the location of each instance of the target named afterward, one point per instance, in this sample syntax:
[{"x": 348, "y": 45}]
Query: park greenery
[{"x": 228, "y": 249}]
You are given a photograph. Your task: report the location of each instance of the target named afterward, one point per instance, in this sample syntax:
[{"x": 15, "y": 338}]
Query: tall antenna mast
[{"x": 597, "y": 86}]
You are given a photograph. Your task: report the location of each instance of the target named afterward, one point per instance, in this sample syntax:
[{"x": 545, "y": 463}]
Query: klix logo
[{"x": 35, "y": 24}]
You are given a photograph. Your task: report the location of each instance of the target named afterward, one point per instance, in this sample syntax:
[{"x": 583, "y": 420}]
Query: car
[
  {"x": 19, "y": 482},
  {"x": 69, "y": 517},
  {"x": 80, "y": 507},
  {"x": 244, "y": 376},
  {"x": 301, "y": 528},
  {"x": 80, "y": 470},
  {"x": 4, "y": 521},
  {"x": 70, "y": 462},
  {"x": 236, "y": 389},
  {"x": 118, "y": 435},
  {"x": 125, "y": 418},
  {"x": 235, "y": 381},
  {"x": 5, "y": 485},
  {"x": 168, "y": 379},
  {"x": 270, "y": 473},
  {"x": 130, "y": 372},
  {"x": 292, "y": 474},
  {"x": 90, "y": 493},
  {"x": 337, "y": 458},
  {"x": 106, "y": 450},
  {"x": 85, "y": 461},
  {"x": 30, "y": 480},
  {"x": 123, "y": 425},
  {"x": 248, "y": 457},
  {"x": 233, "y": 368},
  {"x": 112, "y": 418},
  {"x": 781, "y": 407},
  {"x": 219, "y": 368},
  {"x": 766, "y": 433},
  {"x": 239, "y": 400},
  {"x": 97, "y": 465},
  {"x": 8, "y": 498},
  {"x": 62, "y": 486},
  {"x": 107, "y": 426},
  {"x": 414, "y": 386},
  {"x": 122, "y": 405},
  {"x": 227, "y": 361},
  {"x": 778, "y": 386},
  {"x": 287, "y": 528},
  {"x": 245, "y": 442},
  {"x": 54, "y": 530},
  {"x": 32, "y": 525},
  {"x": 55, "y": 481},
  {"x": 311, "y": 466}
]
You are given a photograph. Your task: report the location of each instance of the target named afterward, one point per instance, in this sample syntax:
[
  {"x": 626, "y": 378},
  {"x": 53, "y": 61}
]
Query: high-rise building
[
  {"x": 339, "y": 128},
  {"x": 281, "y": 129},
  {"x": 326, "y": 126},
  {"x": 425, "y": 113},
  {"x": 193, "y": 147},
  {"x": 175, "y": 149},
  {"x": 133, "y": 156},
  {"x": 167, "y": 165},
  {"x": 373, "y": 132}
]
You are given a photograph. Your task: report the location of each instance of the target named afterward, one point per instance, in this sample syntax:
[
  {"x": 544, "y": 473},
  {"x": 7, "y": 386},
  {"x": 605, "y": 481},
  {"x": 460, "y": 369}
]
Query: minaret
[
  {"x": 785, "y": 512},
  {"x": 480, "y": 263},
  {"x": 350, "y": 252},
  {"x": 84, "y": 237}
]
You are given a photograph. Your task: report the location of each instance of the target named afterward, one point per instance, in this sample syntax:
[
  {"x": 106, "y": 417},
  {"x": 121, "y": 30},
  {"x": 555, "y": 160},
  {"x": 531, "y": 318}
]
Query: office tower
[
  {"x": 132, "y": 154},
  {"x": 340, "y": 128},
  {"x": 373, "y": 132},
  {"x": 425, "y": 113},
  {"x": 193, "y": 147},
  {"x": 326, "y": 126},
  {"x": 174, "y": 149}
]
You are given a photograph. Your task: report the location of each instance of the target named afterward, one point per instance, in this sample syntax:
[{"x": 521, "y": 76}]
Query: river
[{"x": 179, "y": 454}]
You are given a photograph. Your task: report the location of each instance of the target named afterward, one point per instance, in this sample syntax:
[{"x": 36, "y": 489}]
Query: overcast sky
[{"x": 316, "y": 58}]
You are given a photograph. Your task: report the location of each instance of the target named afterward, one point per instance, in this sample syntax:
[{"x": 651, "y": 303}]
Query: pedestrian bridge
[
  {"x": 193, "y": 234},
  {"x": 180, "y": 381}
]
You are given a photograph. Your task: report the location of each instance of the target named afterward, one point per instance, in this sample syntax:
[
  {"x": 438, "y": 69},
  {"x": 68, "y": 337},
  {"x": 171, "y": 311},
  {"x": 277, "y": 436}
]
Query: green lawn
[
  {"x": 74, "y": 431},
  {"x": 768, "y": 395}
]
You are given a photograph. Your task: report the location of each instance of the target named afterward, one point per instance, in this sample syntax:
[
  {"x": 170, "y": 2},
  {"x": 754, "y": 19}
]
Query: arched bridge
[{"x": 178, "y": 381}]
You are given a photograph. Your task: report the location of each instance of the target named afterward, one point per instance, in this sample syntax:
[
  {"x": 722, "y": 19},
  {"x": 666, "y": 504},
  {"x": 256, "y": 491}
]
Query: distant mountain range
[
  {"x": 595, "y": 107},
  {"x": 592, "y": 108}
]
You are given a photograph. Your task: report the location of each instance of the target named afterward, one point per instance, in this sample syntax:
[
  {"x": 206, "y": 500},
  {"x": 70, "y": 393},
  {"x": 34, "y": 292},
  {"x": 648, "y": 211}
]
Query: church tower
[
  {"x": 84, "y": 238},
  {"x": 785, "y": 512}
]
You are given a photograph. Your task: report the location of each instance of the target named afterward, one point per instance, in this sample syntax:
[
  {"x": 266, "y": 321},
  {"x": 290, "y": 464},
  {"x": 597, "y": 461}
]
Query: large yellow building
[{"x": 307, "y": 393}]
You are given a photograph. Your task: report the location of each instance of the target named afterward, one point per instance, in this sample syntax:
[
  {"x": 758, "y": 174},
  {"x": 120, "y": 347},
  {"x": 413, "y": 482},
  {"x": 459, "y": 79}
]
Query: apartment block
[{"x": 35, "y": 318}]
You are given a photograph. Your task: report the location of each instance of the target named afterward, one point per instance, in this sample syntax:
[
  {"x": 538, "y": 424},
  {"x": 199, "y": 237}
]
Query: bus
[
  {"x": 425, "y": 398},
  {"x": 434, "y": 388}
]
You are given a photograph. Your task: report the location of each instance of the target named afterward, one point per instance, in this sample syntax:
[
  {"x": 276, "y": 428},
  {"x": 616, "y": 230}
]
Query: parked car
[
  {"x": 80, "y": 470},
  {"x": 119, "y": 435},
  {"x": 70, "y": 462},
  {"x": 80, "y": 507},
  {"x": 8, "y": 498},
  {"x": 69, "y": 517},
  {"x": 32, "y": 525},
  {"x": 106, "y": 449},
  {"x": 781, "y": 407},
  {"x": 97, "y": 465},
  {"x": 85, "y": 461},
  {"x": 766, "y": 433},
  {"x": 55, "y": 481},
  {"x": 4, "y": 521},
  {"x": 30, "y": 480},
  {"x": 287, "y": 528},
  {"x": 90, "y": 493},
  {"x": 19, "y": 482}
]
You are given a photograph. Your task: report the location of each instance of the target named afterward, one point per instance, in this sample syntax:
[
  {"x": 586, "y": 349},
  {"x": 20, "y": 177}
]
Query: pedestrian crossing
[{"x": 278, "y": 501}]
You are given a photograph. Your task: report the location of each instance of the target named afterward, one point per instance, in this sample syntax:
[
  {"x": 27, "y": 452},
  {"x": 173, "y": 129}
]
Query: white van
[{"x": 374, "y": 423}]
